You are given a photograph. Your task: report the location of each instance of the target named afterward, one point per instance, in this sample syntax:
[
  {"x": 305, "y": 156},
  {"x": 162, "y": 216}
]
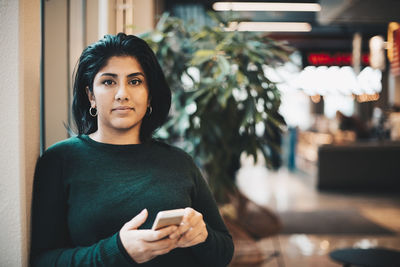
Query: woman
[{"x": 96, "y": 195}]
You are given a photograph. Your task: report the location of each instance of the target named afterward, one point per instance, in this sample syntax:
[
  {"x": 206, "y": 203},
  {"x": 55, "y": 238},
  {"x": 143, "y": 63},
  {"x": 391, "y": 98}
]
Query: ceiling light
[
  {"x": 269, "y": 26},
  {"x": 260, "y": 6}
]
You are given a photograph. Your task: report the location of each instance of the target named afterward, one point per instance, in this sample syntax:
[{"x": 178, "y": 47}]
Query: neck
[{"x": 116, "y": 137}]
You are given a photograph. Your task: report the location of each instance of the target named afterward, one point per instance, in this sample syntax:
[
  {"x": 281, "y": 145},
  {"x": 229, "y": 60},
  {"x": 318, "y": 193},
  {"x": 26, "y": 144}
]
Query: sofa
[{"x": 372, "y": 166}]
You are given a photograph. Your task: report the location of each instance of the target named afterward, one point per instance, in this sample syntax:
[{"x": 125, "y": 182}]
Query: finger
[
  {"x": 165, "y": 250},
  {"x": 154, "y": 235},
  {"x": 161, "y": 244},
  {"x": 182, "y": 229},
  {"x": 156, "y": 247},
  {"x": 196, "y": 240},
  {"x": 188, "y": 214},
  {"x": 193, "y": 232},
  {"x": 137, "y": 221},
  {"x": 190, "y": 219},
  {"x": 175, "y": 234},
  {"x": 196, "y": 219}
]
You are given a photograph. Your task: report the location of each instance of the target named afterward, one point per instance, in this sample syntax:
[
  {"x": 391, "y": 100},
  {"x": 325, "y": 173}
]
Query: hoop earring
[
  {"x": 91, "y": 112},
  {"x": 150, "y": 110}
]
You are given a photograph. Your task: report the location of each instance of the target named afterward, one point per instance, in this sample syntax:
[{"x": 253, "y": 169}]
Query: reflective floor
[{"x": 288, "y": 191}]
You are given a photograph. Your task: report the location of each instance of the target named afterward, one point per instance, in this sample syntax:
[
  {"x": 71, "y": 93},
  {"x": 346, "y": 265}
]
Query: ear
[{"x": 91, "y": 97}]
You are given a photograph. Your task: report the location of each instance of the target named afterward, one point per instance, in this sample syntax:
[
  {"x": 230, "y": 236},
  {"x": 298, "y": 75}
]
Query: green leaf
[
  {"x": 201, "y": 56},
  {"x": 161, "y": 23},
  {"x": 223, "y": 60},
  {"x": 223, "y": 65},
  {"x": 224, "y": 96},
  {"x": 241, "y": 78}
]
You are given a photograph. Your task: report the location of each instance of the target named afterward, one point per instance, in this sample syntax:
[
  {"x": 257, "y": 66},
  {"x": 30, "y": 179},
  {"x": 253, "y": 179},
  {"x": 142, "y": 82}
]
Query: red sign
[{"x": 337, "y": 59}]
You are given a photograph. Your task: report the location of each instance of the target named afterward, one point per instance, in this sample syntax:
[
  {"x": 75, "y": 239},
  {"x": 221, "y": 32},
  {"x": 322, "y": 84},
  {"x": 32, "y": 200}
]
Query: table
[{"x": 371, "y": 257}]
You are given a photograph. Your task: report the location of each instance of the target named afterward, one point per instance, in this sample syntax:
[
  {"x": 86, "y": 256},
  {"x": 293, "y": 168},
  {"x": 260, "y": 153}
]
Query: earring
[
  {"x": 91, "y": 112},
  {"x": 150, "y": 110}
]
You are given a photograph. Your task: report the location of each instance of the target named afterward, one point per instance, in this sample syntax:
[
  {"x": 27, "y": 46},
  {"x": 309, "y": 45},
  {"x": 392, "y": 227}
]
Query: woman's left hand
[{"x": 192, "y": 230}]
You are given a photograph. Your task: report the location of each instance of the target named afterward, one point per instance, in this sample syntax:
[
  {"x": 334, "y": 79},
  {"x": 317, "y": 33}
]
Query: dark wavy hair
[{"x": 95, "y": 56}]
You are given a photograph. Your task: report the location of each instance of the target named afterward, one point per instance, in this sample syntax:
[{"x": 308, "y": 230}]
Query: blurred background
[
  {"x": 342, "y": 60},
  {"x": 329, "y": 178},
  {"x": 336, "y": 183}
]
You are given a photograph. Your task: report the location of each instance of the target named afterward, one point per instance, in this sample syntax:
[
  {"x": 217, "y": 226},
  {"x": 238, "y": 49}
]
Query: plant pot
[
  {"x": 247, "y": 253},
  {"x": 258, "y": 221},
  {"x": 248, "y": 222}
]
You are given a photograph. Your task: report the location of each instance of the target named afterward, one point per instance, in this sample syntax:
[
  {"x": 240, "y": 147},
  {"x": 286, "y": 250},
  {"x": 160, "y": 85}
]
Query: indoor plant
[{"x": 223, "y": 103}]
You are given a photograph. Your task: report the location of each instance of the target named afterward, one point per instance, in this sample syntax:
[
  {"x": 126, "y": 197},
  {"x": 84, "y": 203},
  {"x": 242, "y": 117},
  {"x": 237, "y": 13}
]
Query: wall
[
  {"x": 56, "y": 71},
  {"x": 135, "y": 16},
  {"x": 69, "y": 26},
  {"x": 92, "y": 21},
  {"x": 143, "y": 16},
  {"x": 19, "y": 121}
]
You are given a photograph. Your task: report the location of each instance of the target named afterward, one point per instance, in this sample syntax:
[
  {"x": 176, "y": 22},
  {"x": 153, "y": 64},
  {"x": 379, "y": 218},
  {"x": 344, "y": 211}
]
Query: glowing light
[
  {"x": 324, "y": 245},
  {"x": 369, "y": 80},
  {"x": 306, "y": 80},
  {"x": 348, "y": 78},
  {"x": 269, "y": 26},
  {"x": 333, "y": 80},
  {"x": 366, "y": 243},
  {"x": 316, "y": 98},
  {"x": 367, "y": 98},
  {"x": 335, "y": 102},
  {"x": 377, "y": 48},
  {"x": 260, "y": 6},
  {"x": 303, "y": 243}
]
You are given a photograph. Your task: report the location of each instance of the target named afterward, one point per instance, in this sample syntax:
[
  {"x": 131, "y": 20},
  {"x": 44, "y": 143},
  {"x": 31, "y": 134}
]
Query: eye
[
  {"x": 108, "y": 82},
  {"x": 135, "y": 82}
]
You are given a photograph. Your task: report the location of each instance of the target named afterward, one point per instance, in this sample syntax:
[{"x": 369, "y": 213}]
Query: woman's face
[{"x": 120, "y": 95}]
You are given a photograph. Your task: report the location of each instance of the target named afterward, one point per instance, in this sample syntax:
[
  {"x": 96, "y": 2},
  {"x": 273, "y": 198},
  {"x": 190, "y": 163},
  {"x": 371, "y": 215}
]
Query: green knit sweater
[{"x": 85, "y": 191}]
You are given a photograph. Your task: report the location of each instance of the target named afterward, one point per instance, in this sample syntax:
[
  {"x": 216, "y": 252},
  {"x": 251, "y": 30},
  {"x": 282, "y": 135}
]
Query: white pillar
[
  {"x": 19, "y": 121},
  {"x": 106, "y": 18}
]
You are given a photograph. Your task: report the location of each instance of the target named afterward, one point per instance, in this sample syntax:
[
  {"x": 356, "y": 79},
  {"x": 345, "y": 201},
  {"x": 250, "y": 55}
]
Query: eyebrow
[{"x": 129, "y": 75}]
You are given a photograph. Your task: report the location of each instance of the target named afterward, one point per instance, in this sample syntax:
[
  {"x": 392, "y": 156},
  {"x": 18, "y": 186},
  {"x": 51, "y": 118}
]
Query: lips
[{"x": 124, "y": 108}]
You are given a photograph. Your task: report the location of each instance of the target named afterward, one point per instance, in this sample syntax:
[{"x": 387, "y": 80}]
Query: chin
[{"x": 126, "y": 126}]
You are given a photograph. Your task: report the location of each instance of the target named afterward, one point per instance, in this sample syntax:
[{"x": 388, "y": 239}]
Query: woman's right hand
[{"x": 144, "y": 245}]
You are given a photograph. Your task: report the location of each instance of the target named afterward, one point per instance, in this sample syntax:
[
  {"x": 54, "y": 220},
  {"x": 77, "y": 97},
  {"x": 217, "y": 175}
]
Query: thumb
[{"x": 137, "y": 221}]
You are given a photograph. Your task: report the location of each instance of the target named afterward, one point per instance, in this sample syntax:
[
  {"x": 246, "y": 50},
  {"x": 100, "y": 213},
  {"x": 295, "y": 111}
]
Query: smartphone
[{"x": 168, "y": 217}]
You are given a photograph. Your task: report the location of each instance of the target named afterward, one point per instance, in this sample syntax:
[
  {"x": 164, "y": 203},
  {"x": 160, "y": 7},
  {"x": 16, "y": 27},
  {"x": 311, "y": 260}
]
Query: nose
[{"x": 122, "y": 93}]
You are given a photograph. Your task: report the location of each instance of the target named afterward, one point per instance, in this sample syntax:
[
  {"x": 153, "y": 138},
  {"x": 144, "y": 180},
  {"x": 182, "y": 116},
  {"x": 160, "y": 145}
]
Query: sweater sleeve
[
  {"x": 50, "y": 241},
  {"x": 217, "y": 250}
]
